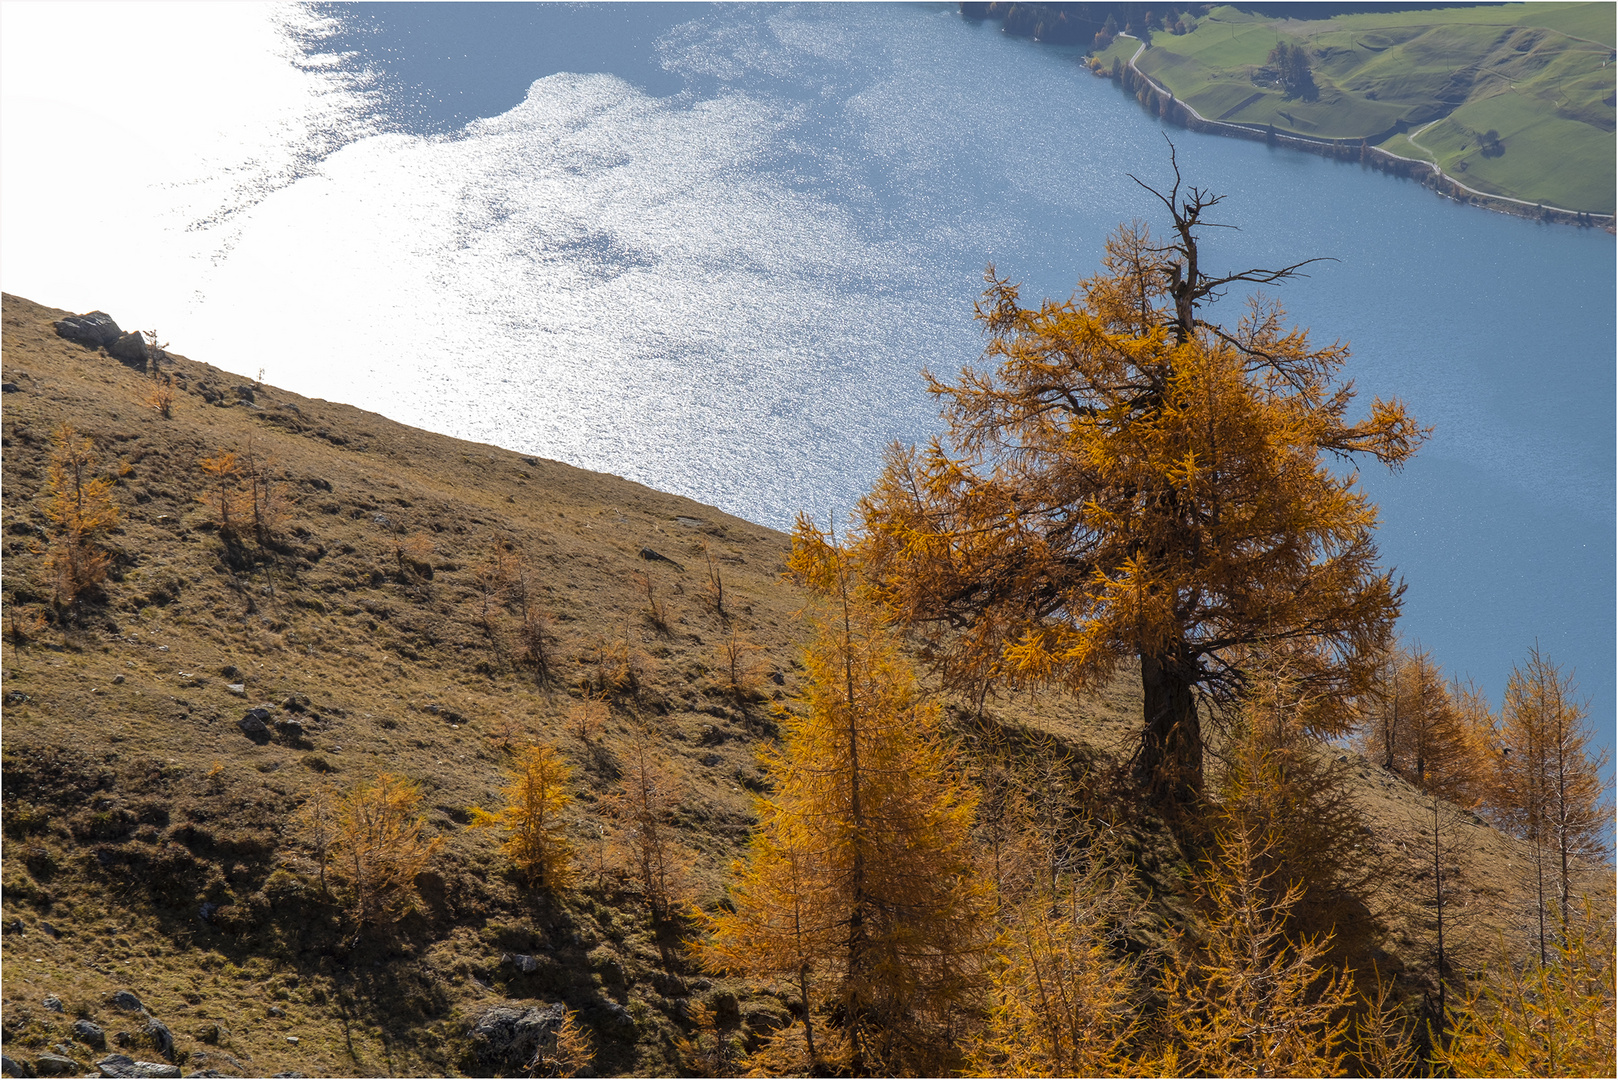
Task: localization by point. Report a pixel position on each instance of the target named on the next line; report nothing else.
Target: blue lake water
(709, 247)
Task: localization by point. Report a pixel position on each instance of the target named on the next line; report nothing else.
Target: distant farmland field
(1516, 100)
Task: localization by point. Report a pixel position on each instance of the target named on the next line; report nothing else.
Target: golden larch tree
(1552, 791)
(379, 848)
(222, 492)
(568, 1051)
(1434, 735)
(710, 1050)
(1382, 1032)
(1246, 1000)
(1064, 992)
(645, 841)
(1132, 480)
(1551, 1017)
(536, 834)
(1276, 781)
(82, 511)
(860, 877)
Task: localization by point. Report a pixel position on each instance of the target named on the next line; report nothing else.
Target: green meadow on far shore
(1515, 100)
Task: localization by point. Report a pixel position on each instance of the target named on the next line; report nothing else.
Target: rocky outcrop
(96, 330)
(505, 1039)
(56, 1065)
(124, 1065)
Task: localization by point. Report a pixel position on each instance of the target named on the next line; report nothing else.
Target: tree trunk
(1438, 902)
(1171, 744)
(856, 920)
(808, 1019)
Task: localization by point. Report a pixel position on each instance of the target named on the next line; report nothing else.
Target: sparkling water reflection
(708, 248)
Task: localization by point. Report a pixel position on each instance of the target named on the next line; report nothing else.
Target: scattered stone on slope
(521, 961)
(127, 1002)
(255, 725)
(210, 1062)
(657, 556)
(53, 1003)
(95, 329)
(90, 1034)
(55, 1065)
(131, 349)
(162, 1040)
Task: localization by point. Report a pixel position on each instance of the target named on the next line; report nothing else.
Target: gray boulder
(53, 1003)
(55, 1065)
(161, 1039)
(125, 1001)
(11, 1067)
(506, 1038)
(90, 1034)
(124, 1065)
(131, 348)
(95, 329)
(521, 961)
(255, 725)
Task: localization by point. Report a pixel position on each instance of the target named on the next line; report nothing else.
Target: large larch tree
(1130, 479)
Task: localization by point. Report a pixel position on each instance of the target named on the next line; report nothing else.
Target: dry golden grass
(365, 615)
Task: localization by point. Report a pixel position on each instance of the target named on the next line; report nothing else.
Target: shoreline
(1160, 101)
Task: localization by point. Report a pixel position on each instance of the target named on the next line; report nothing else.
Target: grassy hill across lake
(1515, 100)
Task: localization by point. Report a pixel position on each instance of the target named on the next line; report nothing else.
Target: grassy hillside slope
(1423, 84)
(132, 800)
